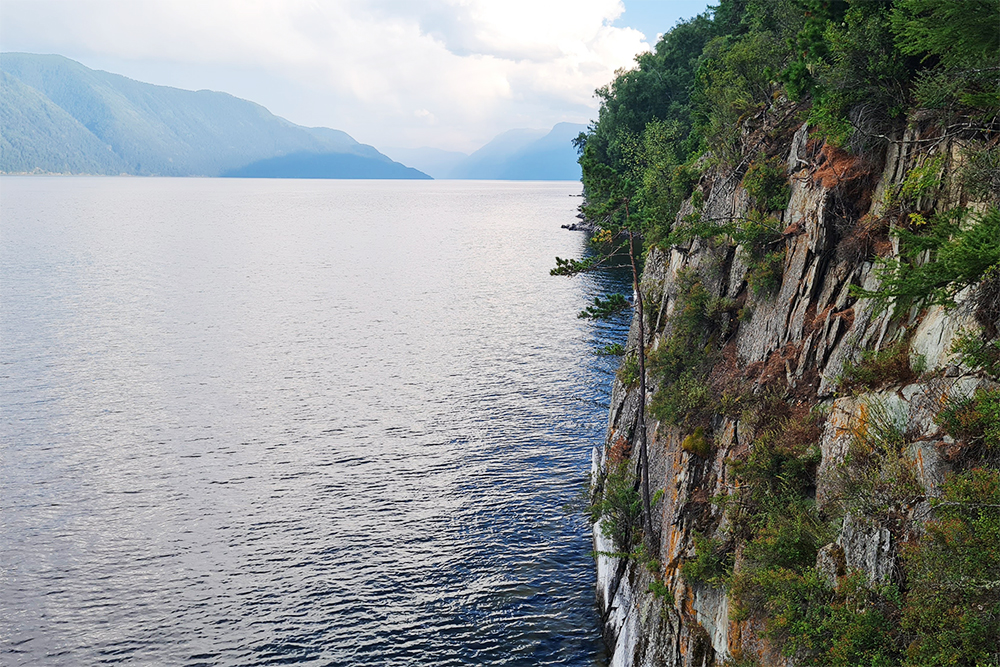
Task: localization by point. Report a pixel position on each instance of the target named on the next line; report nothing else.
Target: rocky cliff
(810, 428)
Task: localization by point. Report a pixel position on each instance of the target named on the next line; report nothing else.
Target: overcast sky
(445, 73)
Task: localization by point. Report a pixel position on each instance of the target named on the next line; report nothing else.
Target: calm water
(274, 422)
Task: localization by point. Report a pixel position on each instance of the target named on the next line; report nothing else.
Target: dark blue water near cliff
(282, 422)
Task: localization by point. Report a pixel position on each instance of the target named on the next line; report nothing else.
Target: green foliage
(980, 175)
(571, 267)
(875, 479)
(778, 581)
(922, 181)
(618, 508)
(970, 95)
(830, 120)
(688, 401)
(978, 353)
(758, 235)
(628, 372)
(865, 74)
(605, 309)
(861, 64)
(661, 591)
(975, 420)
(696, 443)
(949, 611)
(958, 32)
(764, 274)
(705, 97)
(664, 182)
(953, 606)
(985, 302)
(611, 350)
(657, 89)
(780, 528)
(771, 513)
(757, 230)
(781, 596)
(736, 81)
(866, 63)
(741, 661)
(767, 184)
(848, 626)
(712, 563)
(962, 248)
(771, 509)
(859, 627)
(787, 540)
(681, 362)
(879, 368)
(809, 44)
(848, 62)
(689, 326)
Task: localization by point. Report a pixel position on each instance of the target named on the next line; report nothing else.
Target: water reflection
(296, 421)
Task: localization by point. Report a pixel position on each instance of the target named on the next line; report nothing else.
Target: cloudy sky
(445, 73)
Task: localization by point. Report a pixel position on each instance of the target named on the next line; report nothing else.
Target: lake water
(277, 422)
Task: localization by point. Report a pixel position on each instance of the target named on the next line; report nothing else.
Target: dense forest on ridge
(855, 69)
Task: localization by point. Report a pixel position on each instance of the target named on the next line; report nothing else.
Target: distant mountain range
(434, 161)
(524, 155)
(58, 116)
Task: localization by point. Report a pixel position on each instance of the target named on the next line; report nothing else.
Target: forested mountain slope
(810, 391)
(38, 134)
(59, 116)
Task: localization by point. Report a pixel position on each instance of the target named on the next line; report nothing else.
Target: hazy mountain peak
(526, 154)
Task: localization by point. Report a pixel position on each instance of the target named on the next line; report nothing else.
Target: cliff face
(789, 348)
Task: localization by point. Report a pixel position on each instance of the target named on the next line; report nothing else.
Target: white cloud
(444, 72)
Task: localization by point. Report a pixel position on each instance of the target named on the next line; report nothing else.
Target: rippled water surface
(273, 422)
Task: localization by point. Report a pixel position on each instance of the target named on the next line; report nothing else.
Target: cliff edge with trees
(811, 388)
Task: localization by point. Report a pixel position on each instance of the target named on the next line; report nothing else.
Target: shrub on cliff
(696, 443)
(975, 421)
(712, 563)
(978, 351)
(876, 481)
(683, 359)
(943, 607)
(767, 184)
(879, 368)
(617, 507)
(683, 350)
(764, 274)
(952, 609)
(686, 402)
(962, 246)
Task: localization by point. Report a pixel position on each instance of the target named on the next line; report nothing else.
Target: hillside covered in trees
(802, 464)
(57, 116)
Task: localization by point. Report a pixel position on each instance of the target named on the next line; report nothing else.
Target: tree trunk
(641, 425)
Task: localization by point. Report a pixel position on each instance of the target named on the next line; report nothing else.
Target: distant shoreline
(22, 174)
